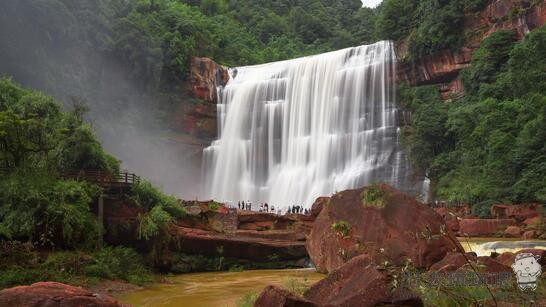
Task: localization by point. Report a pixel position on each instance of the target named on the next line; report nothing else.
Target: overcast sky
(371, 3)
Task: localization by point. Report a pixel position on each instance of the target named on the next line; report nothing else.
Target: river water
(224, 289)
(215, 289)
(485, 246)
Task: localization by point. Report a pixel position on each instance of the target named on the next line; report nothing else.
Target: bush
(213, 205)
(47, 212)
(373, 196)
(72, 267)
(483, 209)
(342, 228)
(118, 263)
(296, 286)
(148, 197)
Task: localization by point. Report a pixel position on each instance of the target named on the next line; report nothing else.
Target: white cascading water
(294, 130)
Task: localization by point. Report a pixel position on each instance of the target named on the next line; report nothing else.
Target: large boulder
(530, 235)
(318, 205)
(533, 222)
(483, 227)
(506, 258)
(360, 282)
(513, 231)
(519, 212)
(450, 219)
(491, 265)
(390, 226)
(452, 262)
(53, 294)
(214, 244)
(260, 221)
(273, 296)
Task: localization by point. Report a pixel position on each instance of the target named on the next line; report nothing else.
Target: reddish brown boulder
(483, 227)
(268, 221)
(53, 294)
(208, 243)
(491, 265)
(506, 258)
(519, 212)
(318, 205)
(273, 296)
(288, 235)
(533, 222)
(450, 219)
(530, 235)
(452, 262)
(205, 76)
(396, 228)
(537, 252)
(359, 283)
(513, 232)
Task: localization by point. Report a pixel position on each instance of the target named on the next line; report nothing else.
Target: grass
(479, 296)
(342, 228)
(372, 196)
(213, 205)
(247, 300)
(296, 286)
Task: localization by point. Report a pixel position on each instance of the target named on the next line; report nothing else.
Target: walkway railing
(103, 178)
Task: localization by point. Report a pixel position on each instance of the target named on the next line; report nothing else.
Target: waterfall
(294, 130)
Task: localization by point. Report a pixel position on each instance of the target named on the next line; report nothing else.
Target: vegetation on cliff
(47, 228)
(490, 144)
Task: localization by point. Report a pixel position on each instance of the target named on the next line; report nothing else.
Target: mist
(46, 46)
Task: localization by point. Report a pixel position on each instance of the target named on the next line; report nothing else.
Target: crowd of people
(242, 205)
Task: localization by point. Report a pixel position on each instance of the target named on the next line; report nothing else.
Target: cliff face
(198, 120)
(205, 76)
(443, 67)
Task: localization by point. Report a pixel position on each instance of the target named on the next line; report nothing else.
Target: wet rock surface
(397, 229)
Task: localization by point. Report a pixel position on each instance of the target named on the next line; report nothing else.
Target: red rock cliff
(205, 76)
(443, 68)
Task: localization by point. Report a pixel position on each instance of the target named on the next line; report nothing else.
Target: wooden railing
(102, 177)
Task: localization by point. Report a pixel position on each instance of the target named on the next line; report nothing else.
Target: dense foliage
(22, 263)
(38, 143)
(153, 40)
(489, 146)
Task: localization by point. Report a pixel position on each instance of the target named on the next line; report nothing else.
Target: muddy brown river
(215, 289)
(224, 289)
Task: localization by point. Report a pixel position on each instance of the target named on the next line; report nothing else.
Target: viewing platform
(108, 181)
